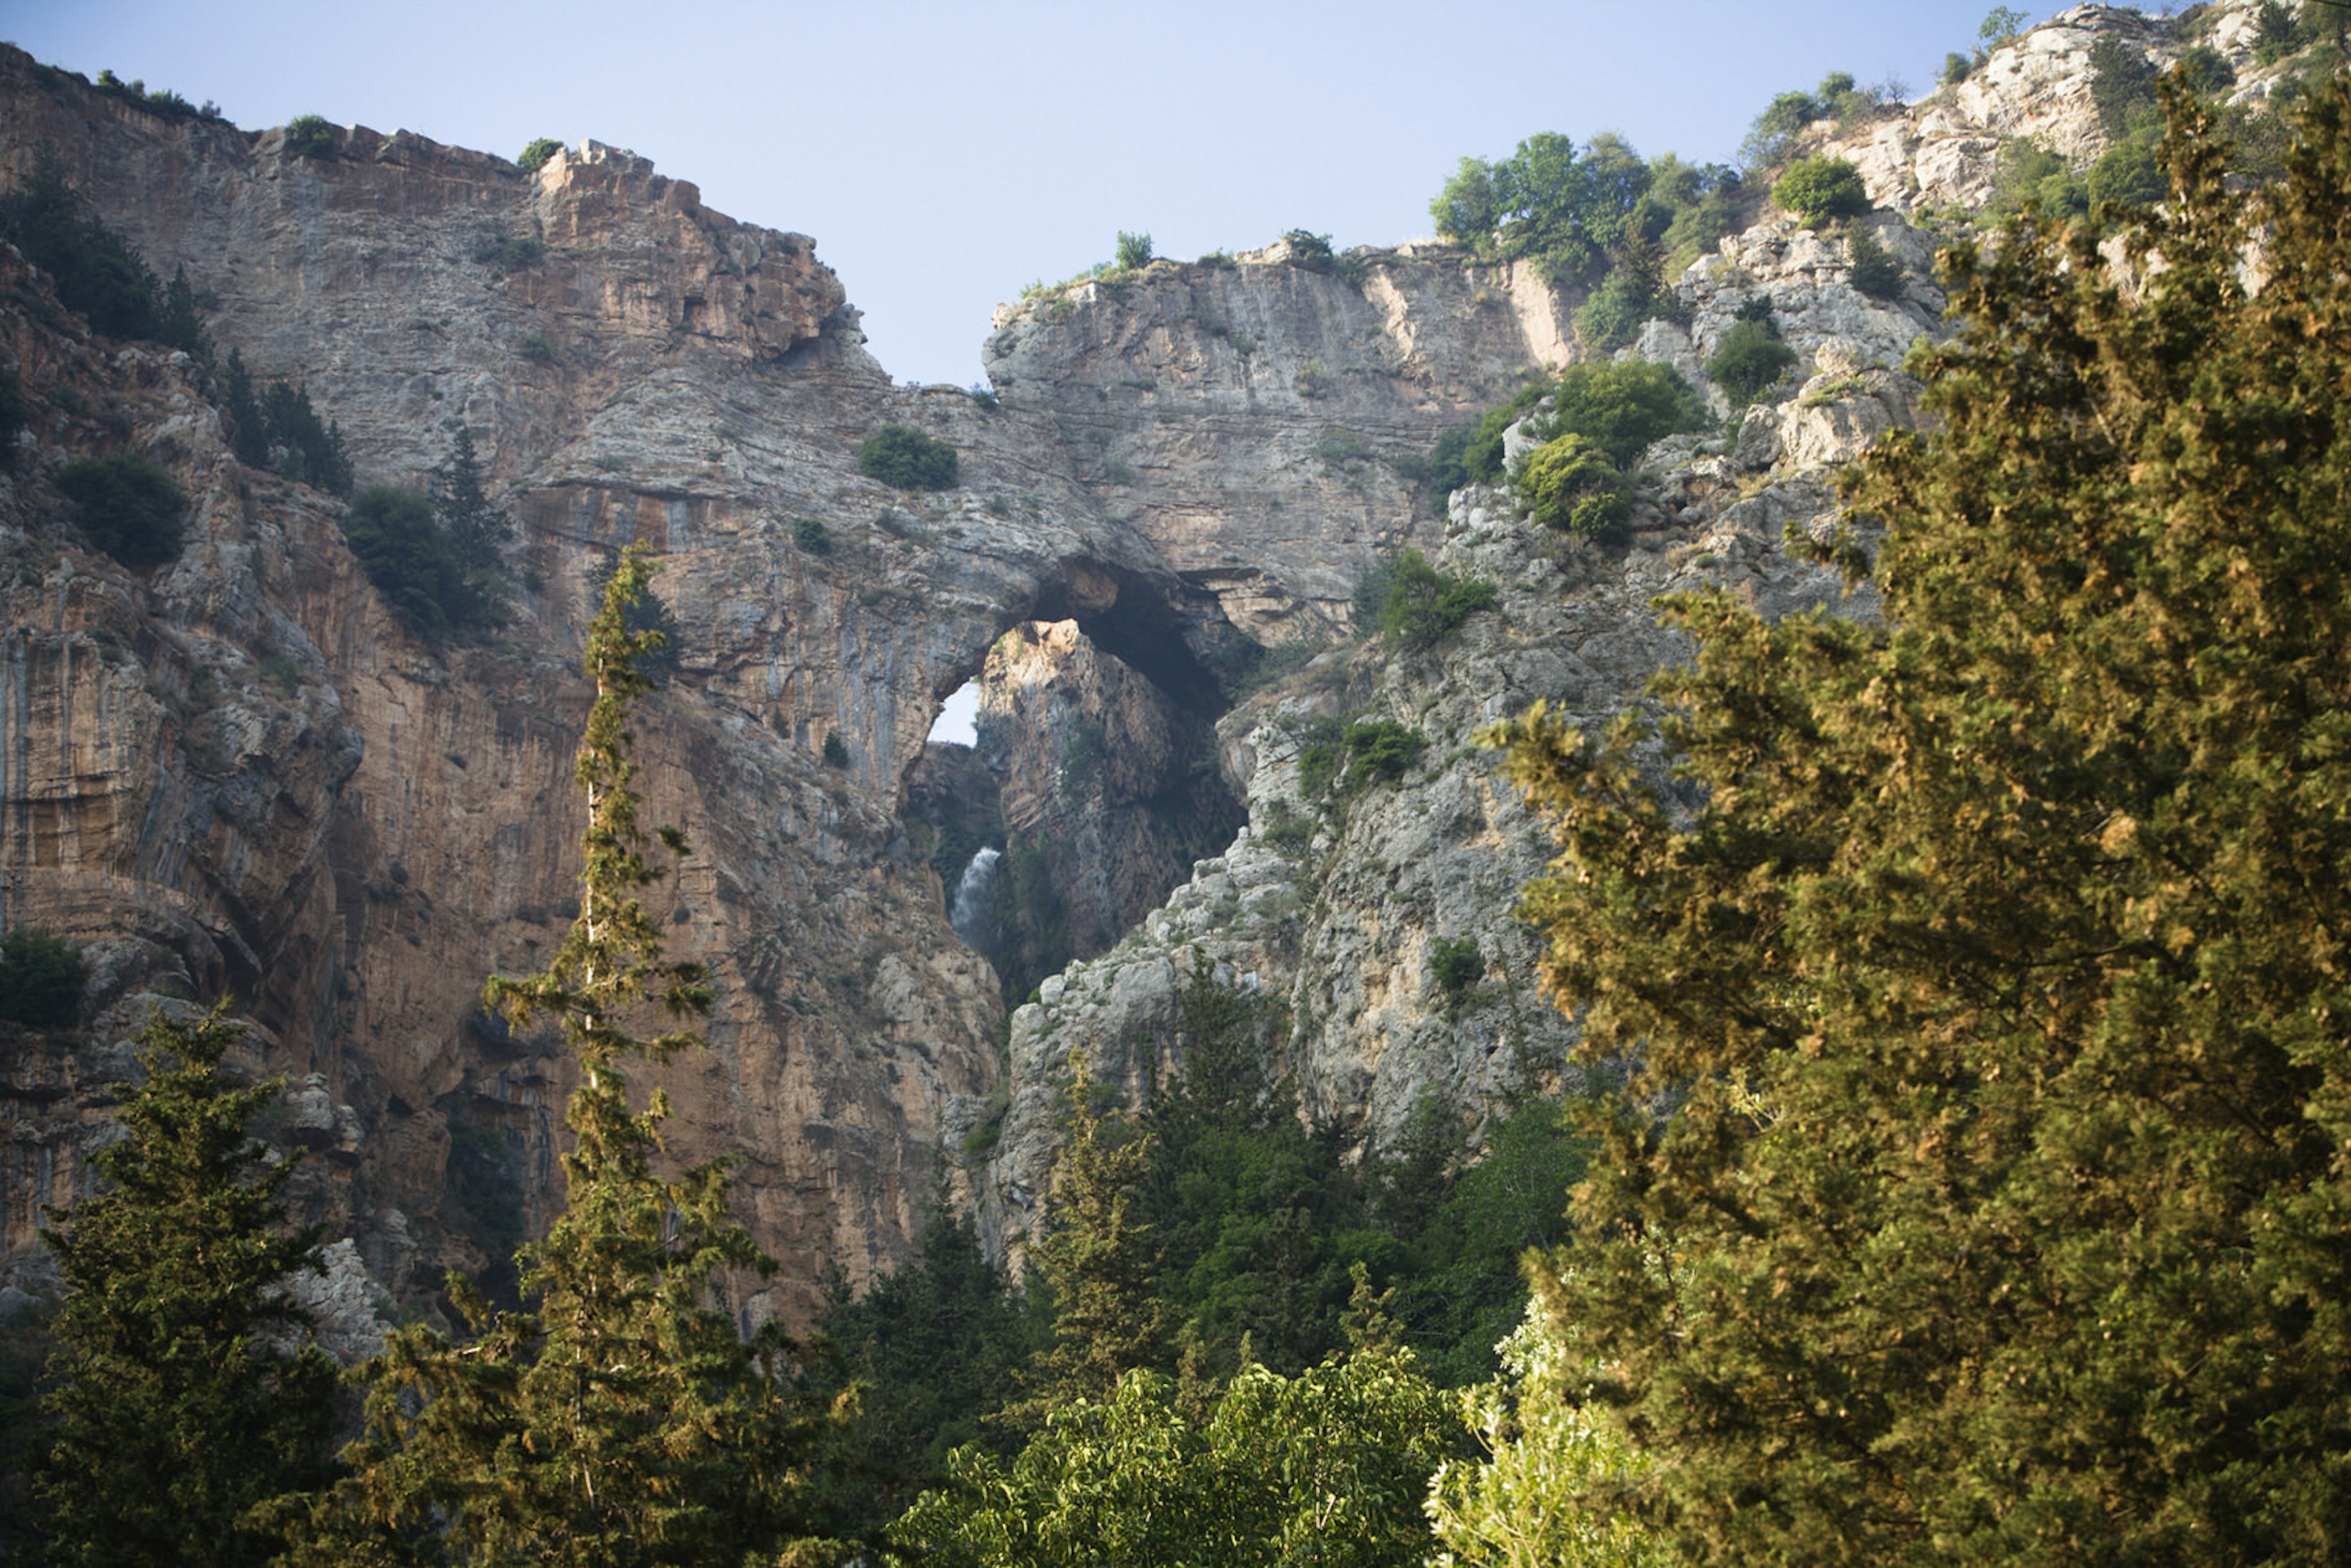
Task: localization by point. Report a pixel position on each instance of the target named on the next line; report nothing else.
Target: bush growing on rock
(1421, 606)
(432, 577)
(1622, 407)
(129, 508)
(1875, 271)
(1819, 188)
(812, 536)
(1133, 251)
(280, 431)
(1750, 359)
(904, 456)
(40, 979)
(540, 150)
(1569, 484)
(312, 136)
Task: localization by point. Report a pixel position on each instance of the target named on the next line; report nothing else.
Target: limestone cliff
(242, 772)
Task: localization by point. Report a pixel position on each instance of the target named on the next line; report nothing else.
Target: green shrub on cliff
(129, 508)
(904, 456)
(93, 270)
(540, 150)
(40, 979)
(1569, 484)
(1818, 189)
(312, 136)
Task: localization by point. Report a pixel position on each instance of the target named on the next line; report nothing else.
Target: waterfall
(969, 915)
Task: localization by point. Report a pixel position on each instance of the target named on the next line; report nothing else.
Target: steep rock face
(1245, 413)
(1944, 152)
(1109, 793)
(365, 824)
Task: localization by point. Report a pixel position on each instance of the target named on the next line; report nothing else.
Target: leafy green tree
(1819, 188)
(477, 531)
(1621, 406)
(1547, 202)
(1568, 483)
(622, 1420)
(129, 507)
(435, 559)
(1327, 1468)
(40, 979)
(179, 320)
(1133, 251)
(176, 1405)
(2002, 1216)
(1527, 1502)
(900, 455)
(540, 149)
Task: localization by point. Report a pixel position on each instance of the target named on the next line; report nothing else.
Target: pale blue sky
(945, 154)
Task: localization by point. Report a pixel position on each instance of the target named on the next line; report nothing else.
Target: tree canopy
(1999, 979)
(181, 1393)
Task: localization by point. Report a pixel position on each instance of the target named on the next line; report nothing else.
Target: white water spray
(969, 915)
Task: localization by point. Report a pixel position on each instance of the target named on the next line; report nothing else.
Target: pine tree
(1101, 1266)
(477, 529)
(621, 1420)
(2000, 975)
(177, 1403)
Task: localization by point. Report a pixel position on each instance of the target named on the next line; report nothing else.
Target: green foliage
(1875, 271)
(1569, 484)
(279, 430)
(174, 1409)
(93, 270)
(1547, 202)
(904, 456)
(1611, 315)
(1957, 69)
(537, 347)
(2029, 175)
(648, 619)
(1818, 189)
(2279, 32)
(2001, 1215)
(2127, 175)
(836, 750)
(1751, 360)
(1133, 251)
(1423, 606)
(2002, 26)
(812, 536)
(540, 150)
(1379, 750)
(1621, 406)
(130, 507)
(622, 1420)
(40, 979)
(435, 559)
(179, 322)
(1327, 1468)
(1309, 250)
(2205, 70)
(2122, 85)
(1526, 1501)
(312, 136)
(1099, 1264)
(932, 1347)
(1775, 131)
(1456, 965)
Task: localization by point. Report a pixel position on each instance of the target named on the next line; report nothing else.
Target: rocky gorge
(242, 773)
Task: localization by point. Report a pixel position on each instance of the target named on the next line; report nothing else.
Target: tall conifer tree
(181, 1394)
(2003, 977)
(621, 1420)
